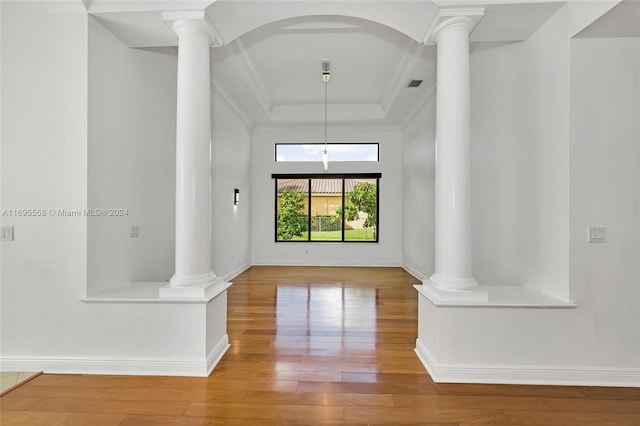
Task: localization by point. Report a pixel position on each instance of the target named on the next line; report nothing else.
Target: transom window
(337, 151)
(327, 208)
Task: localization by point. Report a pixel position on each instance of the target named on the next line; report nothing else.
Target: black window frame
(309, 177)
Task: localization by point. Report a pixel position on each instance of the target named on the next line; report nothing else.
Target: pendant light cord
(326, 77)
(325, 117)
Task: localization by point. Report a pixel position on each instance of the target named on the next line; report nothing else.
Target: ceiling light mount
(326, 71)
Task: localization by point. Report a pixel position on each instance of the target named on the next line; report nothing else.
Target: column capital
(193, 20)
(452, 17)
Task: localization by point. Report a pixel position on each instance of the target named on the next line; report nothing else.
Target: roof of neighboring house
(319, 186)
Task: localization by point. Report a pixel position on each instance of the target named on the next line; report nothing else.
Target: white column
(193, 155)
(452, 195)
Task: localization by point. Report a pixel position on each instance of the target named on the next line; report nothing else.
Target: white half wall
(387, 252)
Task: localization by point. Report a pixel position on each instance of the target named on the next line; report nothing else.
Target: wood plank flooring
(313, 346)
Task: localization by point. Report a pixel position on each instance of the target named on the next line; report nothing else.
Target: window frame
(309, 177)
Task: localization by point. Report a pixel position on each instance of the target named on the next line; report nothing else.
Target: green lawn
(349, 235)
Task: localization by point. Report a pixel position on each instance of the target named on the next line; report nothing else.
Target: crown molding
(336, 112)
(252, 77)
(217, 88)
(343, 129)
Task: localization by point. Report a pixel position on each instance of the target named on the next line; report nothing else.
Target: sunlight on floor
(10, 379)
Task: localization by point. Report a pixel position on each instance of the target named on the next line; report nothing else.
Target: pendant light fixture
(326, 78)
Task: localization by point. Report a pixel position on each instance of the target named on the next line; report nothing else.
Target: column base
(452, 283)
(438, 294)
(192, 280)
(195, 286)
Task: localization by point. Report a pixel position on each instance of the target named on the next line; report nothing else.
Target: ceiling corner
(219, 89)
(401, 73)
(252, 77)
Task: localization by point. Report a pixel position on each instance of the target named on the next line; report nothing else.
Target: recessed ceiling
(371, 65)
(288, 55)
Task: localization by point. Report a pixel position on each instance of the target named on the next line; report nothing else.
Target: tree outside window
(362, 202)
(292, 219)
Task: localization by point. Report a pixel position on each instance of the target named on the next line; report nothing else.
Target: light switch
(7, 233)
(597, 234)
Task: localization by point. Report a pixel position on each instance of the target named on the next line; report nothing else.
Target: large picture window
(327, 208)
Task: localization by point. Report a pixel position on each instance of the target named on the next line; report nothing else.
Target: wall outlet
(135, 231)
(597, 234)
(7, 233)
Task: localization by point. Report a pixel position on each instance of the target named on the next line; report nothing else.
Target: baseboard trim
(380, 264)
(526, 374)
(216, 354)
(116, 365)
(427, 360)
(414, 272)
(240, 269)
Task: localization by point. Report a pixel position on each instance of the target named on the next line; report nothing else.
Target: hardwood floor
(313, 346)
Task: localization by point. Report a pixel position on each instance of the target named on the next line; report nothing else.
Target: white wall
(520, 161)
(419, 191)
(44, 166)
(387, 252)
(231, 168)
(132, 110)
(605, 191)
